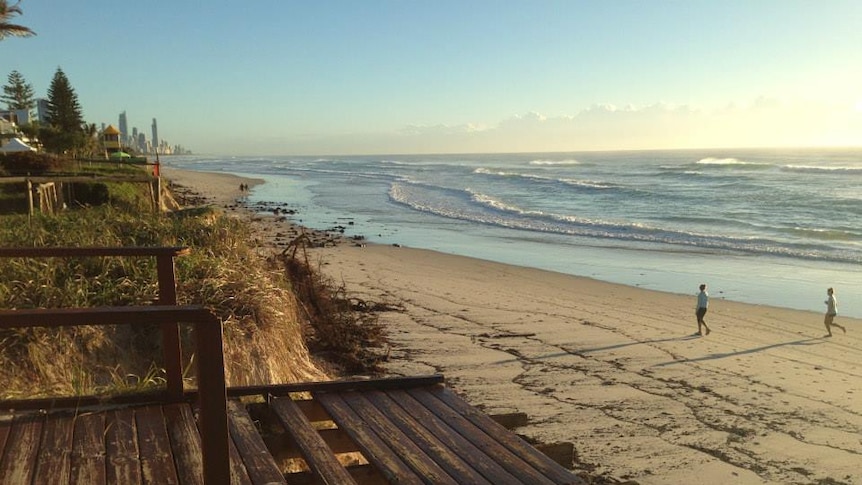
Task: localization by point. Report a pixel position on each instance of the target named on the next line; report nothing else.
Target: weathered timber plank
(185, 443)
(75, 402)
(439, 452)
(22, 447)
(122, 461)
(510, 441)
(364, 474)
(259, 464)
(6, 419)
(238, 473)
(65, 252)
(108, 315)
(55, 456)
(402, 444)
(315, 451)
(488, 445)
(487, 466)
(88, 450)
(157, 462)
(375, 450)
(333, 386)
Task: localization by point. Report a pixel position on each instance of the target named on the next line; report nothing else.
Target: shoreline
(613, 369)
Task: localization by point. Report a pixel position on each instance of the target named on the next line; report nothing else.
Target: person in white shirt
(831, 311)
(700, 311)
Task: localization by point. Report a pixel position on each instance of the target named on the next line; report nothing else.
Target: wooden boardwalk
(382, 431)
(404, 431)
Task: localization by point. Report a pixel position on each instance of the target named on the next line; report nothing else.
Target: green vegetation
(127, 195)
(7, 28)
(65, 131)
(18, 94)
(264, 319)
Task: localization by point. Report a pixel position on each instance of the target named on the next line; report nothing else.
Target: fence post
(170, 330)
(212, 398)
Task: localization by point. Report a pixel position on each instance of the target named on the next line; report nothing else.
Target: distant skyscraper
(124, 128)
(155, 136)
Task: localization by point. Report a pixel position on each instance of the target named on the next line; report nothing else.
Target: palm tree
(6, 14)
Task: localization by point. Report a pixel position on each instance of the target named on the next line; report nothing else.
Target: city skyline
(447, 77)
(133, 138)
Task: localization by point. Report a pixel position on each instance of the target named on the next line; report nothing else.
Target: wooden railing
(212, 397)
(211, 393)
(167, 294)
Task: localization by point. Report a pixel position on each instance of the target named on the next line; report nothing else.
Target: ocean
(772, 227)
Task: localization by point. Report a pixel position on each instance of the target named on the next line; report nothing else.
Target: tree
(65, 123)
(10, 29)
(63, 111)
(18, 94)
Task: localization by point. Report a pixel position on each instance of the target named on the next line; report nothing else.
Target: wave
(473, 206)
(733, 163)
(591, 184)
(814, 169)
(554, 162)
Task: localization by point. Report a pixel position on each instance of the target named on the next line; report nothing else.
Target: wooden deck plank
(259, 464)
(6, 419)
(55, 456)
(185, 443)
(417, 430)
(335, 386)
(5, 426)
(484, 464)
(488, 445)
(317, 454)
(375, 450)
(500, 436)
(88, 449)
(22, 447)
(157, 463)
(410, 452)
(122, 461)
(238, 473)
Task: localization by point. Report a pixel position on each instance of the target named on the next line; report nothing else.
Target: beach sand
(616, 370)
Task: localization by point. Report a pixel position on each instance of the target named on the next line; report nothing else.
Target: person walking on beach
(831, 311)
(702, 305)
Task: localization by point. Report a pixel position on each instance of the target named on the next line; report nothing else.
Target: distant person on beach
(831, 311)
(702, 305)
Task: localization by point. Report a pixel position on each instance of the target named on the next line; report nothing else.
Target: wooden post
(212, 398)
(30, 196)
(173, 353)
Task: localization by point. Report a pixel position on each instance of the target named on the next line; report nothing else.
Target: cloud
(764, 122)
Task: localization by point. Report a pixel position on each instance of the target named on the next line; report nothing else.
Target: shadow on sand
(582, 352)
(802, 342)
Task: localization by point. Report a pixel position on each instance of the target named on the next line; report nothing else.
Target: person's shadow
(803, 342)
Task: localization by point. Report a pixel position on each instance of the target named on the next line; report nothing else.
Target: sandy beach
(615, 370)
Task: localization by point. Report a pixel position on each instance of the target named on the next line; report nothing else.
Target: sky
(284, 77)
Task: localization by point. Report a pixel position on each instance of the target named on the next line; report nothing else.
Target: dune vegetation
(273, 307)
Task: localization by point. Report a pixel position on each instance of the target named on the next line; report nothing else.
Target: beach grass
(250, 289)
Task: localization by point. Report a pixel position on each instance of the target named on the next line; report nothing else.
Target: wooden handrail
(212, 395)
(167, 292)
(65, 252)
